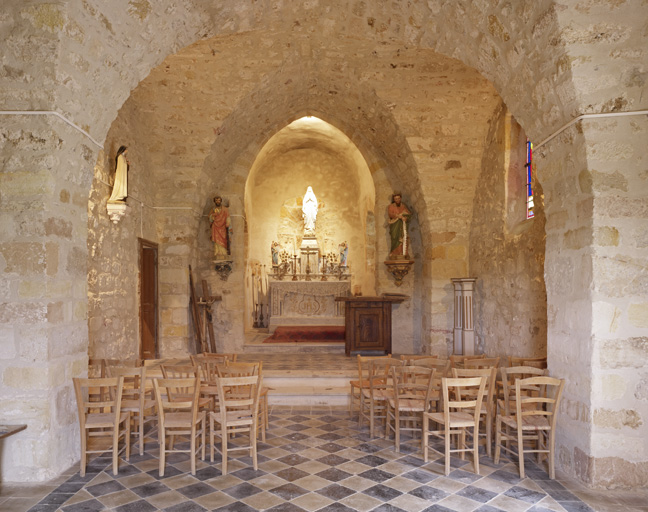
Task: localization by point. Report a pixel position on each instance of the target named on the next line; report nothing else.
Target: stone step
(291, 348)
(304, 390)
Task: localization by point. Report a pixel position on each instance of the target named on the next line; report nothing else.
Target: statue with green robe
(399, 216)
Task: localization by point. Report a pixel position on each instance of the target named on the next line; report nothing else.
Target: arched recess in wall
(309, 152)
(376, 143)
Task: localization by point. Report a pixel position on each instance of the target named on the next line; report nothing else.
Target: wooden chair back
(410, 359)
(537, 400)
(536, 362)
(364, 363)
(463, 394)
(181, 371)
(490, 374)
(412, 385)
(124, 363)
(176, 395)
(442, 366)
(484, 362)
(178, 402)
(241, 369)
(538, 397)
(509, 376)
(134, 392)
(239, 412)
(208, 367)
(457, 360)
(137, 397)
(99, 403)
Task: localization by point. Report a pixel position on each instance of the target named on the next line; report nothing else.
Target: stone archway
(83, 60)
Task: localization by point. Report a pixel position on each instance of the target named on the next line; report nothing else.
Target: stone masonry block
(32, 378)
(615, 419)
(638, 315)
(624, 353)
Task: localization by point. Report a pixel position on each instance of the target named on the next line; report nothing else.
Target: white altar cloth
(307, 303)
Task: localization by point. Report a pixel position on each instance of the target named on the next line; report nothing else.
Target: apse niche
(306, 153)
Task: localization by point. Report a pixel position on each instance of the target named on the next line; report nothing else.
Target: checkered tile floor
(313, 460)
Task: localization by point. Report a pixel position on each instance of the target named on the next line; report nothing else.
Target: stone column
(595, 184)
(43, 305)
(464, 328)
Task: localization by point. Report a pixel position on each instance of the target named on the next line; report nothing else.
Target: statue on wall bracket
(399, 261)
(117, 202)
(221, 234)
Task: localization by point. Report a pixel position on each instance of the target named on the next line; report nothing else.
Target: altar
(307, 302)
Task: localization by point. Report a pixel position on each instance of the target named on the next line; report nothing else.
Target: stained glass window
(529, 175)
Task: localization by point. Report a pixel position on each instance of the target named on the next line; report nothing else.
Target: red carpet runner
(307, 334)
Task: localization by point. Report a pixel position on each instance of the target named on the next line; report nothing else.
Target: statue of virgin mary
(309, 210)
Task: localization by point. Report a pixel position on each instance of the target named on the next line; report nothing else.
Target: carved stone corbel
(399, 269)
(224, 268)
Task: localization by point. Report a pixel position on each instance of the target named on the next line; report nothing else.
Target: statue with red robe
(219, 219)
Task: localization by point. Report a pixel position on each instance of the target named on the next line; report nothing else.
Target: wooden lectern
(367, 322)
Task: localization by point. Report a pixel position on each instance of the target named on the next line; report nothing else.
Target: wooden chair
(488, 402)
(410, 359)
(457, 360)
(379, 392)
(411, 397)
(222, 358)
(208, 366)
(123, 363)
(179, 415)
(239, 412)
(506, 403)
(483, 362)
(187, 371)
(209, 373)
(537, 362)
(355, 397)
(534, 420)
(458, 416)
(136, 399)
(103, 417)
(441, 366)
(245, 370)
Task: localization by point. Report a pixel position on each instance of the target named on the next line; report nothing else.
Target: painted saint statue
(120, 188)
(274, 249)
(309, 210)
(344, 253)
(399, 216)
(220, 221)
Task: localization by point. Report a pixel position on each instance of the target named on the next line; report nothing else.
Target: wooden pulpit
(367, 322)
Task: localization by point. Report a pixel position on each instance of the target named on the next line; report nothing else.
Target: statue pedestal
(116, 210)
(399, 268)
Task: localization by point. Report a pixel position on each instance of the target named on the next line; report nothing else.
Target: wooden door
(368, 324)
(148, 299)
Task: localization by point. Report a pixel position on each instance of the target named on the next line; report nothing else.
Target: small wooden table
(8, 430)
(367, 322)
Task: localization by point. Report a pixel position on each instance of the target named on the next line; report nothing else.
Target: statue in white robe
(309, 210)
(120, 188)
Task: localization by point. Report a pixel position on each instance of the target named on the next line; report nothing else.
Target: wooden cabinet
(367, 322)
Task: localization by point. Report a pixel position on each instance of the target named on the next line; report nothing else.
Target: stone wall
(113, 248)
(507, 250)
(385, 74)
(617, 179)
(43, 295)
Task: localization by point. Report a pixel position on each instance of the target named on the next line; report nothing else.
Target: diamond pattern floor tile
(313, 460)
